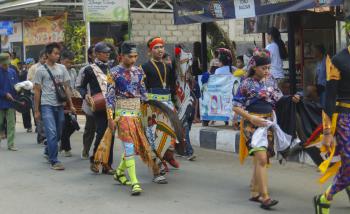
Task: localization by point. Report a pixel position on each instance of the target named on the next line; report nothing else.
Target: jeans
(10, 115)
(53, 119)
(67, 131)
(188, 146)
(89, 133)
(101, 122)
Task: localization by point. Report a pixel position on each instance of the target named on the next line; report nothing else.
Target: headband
(155, 42)
(128, 48)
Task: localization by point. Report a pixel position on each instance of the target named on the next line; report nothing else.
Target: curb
(227, 140)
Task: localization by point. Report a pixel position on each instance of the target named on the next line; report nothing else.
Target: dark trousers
(101, 126)
(67, 131)
(89, 133)
(27, 120)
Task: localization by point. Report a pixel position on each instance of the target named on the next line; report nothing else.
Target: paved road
(215, 183)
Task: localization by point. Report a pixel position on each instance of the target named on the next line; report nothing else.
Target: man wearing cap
(160, 83)
(95, 77)
(125, 90)
(8, 78)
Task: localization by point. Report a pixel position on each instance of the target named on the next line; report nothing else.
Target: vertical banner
(216, 100)
(44, 30)
(106, 10)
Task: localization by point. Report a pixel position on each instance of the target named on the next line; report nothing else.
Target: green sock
(122, 166)
(131, 167)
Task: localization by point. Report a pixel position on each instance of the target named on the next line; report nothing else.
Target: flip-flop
(255, 199)
(268, 203)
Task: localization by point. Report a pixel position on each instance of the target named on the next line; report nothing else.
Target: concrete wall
(147, 25)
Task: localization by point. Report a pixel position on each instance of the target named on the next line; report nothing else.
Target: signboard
(6, 28)
(106, 10)
(216, 101)
(17, 33)
(188, 11)
(44, 30)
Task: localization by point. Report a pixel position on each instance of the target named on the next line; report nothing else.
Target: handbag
(60, 91)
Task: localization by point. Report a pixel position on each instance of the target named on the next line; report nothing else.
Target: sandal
(255, 199)
(319, 206)
(121, 179)
(136, 189)
(268, 203)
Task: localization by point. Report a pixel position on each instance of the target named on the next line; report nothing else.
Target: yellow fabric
(15, 62)
(332, 72)
(344, 105)
(326, 121)
(330, 173)
(239, 73)
(324, 166)
(243, 150)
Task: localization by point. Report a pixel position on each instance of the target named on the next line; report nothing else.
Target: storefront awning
(13, 5)
(201, 11)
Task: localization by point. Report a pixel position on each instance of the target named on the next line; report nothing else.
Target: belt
(159, 97)
(342, 104)
(261, 115)
(127, 113)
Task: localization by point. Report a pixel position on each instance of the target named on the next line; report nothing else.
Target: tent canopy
(202, 11)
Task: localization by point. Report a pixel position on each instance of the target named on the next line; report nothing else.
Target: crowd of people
(113, 89)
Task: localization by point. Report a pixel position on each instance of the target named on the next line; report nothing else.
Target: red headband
(156, 41)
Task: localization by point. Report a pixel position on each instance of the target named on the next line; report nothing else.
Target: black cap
(102, 47)
(128, 48)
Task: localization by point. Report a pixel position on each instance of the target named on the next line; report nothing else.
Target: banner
(44, 30)
(106, 10)
(188, 11)
(6, 28)
(216, 100)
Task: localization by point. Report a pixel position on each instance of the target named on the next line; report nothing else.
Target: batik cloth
(342, 178)
(252, 90)
(125, 83)
(247, 132)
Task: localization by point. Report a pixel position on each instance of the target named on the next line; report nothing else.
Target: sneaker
(29, 130)
(67, 154)
(159, 179)
(57, 166)
(191, 157)
(84, 155)
(12, 148)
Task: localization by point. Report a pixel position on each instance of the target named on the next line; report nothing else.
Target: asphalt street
(214, 183)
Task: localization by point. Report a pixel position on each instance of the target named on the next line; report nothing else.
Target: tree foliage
(74, 40)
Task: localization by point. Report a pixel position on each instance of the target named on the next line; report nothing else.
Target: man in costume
(160, 83)
(90, 126)
(125, 90)
(95, 76)
(336, 128)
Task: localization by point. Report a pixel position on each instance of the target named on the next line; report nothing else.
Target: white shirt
(276, 61)
(225, 70)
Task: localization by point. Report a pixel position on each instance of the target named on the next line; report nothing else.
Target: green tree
(74, 39)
